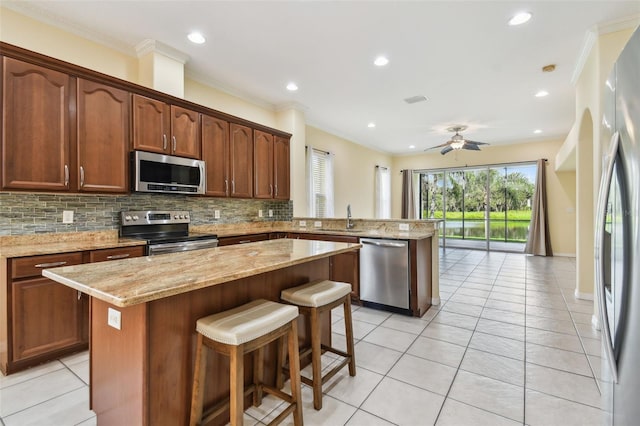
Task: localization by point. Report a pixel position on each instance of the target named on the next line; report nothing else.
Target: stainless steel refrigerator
(618, 240)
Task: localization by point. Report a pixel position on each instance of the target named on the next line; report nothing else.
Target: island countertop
(139, 280)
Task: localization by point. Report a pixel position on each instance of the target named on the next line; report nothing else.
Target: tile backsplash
(31, 213)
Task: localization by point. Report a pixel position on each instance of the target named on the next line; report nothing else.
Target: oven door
(179, 246)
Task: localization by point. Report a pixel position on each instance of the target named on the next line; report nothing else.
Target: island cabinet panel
(142, 374)
(262, 164)
(281, 168)
(215, 153)
(36, 147)
(103, 138)
(241, 161)
(420, 257)
(151, 125)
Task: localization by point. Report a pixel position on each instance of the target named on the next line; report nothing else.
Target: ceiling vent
(415, 99)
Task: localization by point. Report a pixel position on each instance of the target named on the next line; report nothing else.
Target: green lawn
(511, 215)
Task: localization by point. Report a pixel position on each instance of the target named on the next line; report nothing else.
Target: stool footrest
(283, 415)
(277, 392)
(335, 351)
(217, 409)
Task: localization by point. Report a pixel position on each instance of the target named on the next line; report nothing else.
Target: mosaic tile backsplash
(29, 213)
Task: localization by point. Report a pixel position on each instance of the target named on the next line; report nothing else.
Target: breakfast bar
(143, 313)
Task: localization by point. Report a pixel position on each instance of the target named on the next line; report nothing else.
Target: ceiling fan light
(457, 144)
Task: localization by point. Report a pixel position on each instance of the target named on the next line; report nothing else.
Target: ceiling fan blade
(475, 142)
(438, 146)
(471, 146)
(446, 149)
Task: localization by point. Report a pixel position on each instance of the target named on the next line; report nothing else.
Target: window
(320, 182)
(383, 193)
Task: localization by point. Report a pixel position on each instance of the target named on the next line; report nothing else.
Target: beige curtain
(539, 242)
(408, 197)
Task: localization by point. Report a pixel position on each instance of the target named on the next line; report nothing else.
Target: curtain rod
(382, 167)
(319, 150)
(477, 165)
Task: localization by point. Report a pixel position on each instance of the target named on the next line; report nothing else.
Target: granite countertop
(132, 281)
(368, 233)
(38, 247)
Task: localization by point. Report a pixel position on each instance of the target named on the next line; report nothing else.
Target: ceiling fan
(458, 142)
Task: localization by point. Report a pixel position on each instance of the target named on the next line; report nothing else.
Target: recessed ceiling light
(412, 146)
(537, 131)
(381, 61)
(520, 18)
(542, 94)
(292, 87)
(371, 125)
(196, 37)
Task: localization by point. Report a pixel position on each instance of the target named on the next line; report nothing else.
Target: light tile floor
(508, 345)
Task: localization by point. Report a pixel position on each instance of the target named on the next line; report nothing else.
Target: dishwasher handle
(385, 244)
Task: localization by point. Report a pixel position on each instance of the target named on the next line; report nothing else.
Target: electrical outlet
(270, 213)
(303, 224)
(67, 216)
(403, 226)
(259, 213)
(317, 224)
(216, 214)
(114, 318)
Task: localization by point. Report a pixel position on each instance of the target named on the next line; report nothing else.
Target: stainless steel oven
(166, 231)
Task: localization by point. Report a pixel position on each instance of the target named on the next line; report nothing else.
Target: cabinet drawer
(227, 241)
(32, 266)
(116, 253)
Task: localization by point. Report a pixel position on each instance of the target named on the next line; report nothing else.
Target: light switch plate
(317, 224)
(67, 216)
(303, 223)
(403, 226)
(216, 214)
(259, 213)
(114, 318)
(270, 213)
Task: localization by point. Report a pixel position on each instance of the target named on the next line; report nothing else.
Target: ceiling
(474, 69)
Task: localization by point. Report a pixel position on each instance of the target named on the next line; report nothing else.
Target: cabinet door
(281, 168)
(151, 125)
(35, 123)
(103, 138)
(215, 153)
(262, 164)
(185, 130)
(241, 161)
(47, 316)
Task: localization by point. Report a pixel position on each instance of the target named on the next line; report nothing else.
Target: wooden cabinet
(281, 168)
(41, 319)
(262, 164)
(215, 153)
(103, 138)
(165, 129)
(344, 267)
(36, 150)
(241, 239)
(241, 160)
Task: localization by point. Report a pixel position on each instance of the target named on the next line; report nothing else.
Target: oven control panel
(154, 217)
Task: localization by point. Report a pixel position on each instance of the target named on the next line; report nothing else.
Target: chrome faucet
(349, 221)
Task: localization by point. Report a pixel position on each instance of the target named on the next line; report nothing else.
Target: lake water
(515, 230)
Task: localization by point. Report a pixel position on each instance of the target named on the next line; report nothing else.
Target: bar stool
(313, 299)
(238, 331)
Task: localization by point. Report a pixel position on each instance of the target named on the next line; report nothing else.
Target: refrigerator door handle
(601, 213)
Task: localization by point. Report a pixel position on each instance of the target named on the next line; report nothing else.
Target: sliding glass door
(484, 207)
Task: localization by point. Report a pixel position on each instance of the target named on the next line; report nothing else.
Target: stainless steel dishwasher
(384, 274)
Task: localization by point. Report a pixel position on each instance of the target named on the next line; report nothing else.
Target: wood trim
(16, 52)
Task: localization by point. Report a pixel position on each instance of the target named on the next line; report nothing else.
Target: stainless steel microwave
(167, 174)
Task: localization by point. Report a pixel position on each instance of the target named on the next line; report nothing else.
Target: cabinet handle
(276, 189)
(174, 143)
(118, 256)
(50, 264)
(233, 186)
(226, 186)
(164, 142)
(81, 176)
(79, 295)
(271, 190)
(66, 175)
(244, 241)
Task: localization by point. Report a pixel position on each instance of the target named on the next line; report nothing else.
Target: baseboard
(583, 296)
(435, 301)
(595, 322)
(564, 254)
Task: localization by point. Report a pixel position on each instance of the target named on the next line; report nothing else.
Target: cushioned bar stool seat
(313, 299)
(247, 328)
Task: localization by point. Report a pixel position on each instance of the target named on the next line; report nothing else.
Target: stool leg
(294, 372)
(316, 353)
(281, 359)
(199, 375)
(348, 324)
(236, 385)
(258, 372)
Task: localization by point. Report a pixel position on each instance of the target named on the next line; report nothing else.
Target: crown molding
(154, 46)
(592, 36)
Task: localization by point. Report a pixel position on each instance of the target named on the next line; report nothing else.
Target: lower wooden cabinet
(241, 239)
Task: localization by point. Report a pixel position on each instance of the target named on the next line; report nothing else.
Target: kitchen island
(143, 314)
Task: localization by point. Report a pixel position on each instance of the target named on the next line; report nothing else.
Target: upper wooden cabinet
(241, 161)
(36, 127)
(262, 164)
(165, 129)
(281, 168)
(103, 138)
(215, 153)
